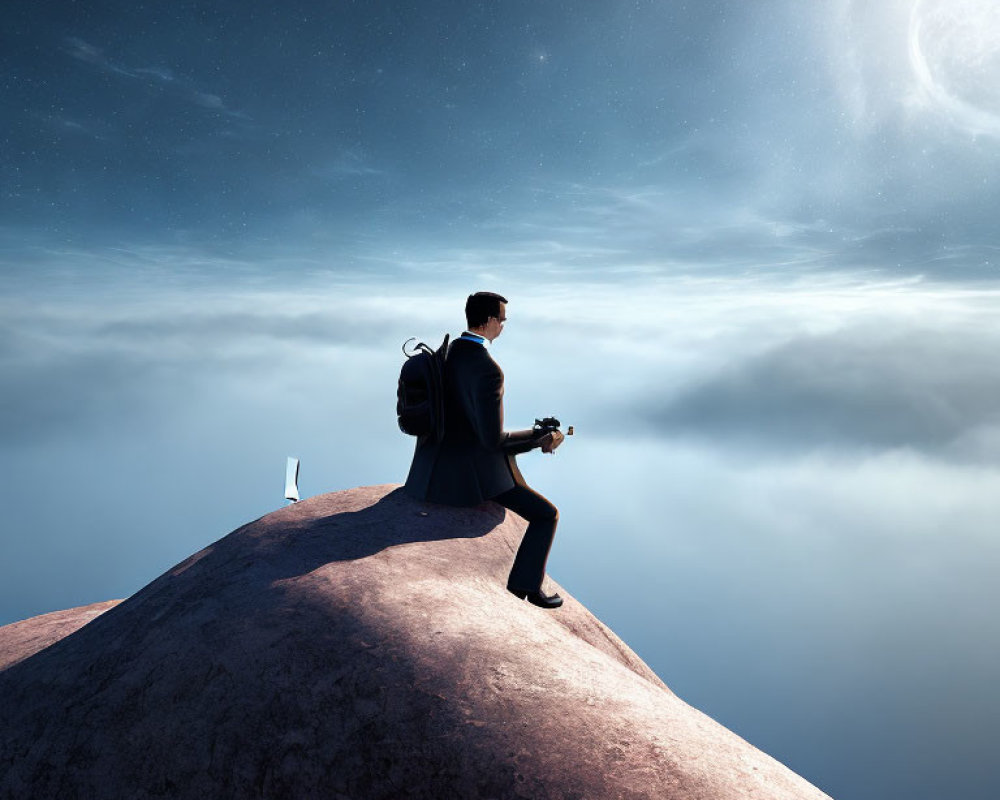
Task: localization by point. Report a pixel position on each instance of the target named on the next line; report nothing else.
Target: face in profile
(494, 326)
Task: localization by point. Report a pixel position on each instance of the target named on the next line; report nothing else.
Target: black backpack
(420, 394)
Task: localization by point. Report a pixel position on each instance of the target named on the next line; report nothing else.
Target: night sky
(751, 254)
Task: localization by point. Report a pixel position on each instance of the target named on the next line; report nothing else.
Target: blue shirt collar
(475, 337)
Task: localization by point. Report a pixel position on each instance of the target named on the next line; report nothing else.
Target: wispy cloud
(660, 228)
(154, 75)
(83, 51)
(76, 126)
(160, 73)
(350, 163)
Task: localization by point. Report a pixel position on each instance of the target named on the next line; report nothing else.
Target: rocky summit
(357, 645)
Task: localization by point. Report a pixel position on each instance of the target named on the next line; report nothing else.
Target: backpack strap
(437, 360)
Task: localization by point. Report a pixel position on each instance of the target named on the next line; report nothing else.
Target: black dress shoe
(537, 598)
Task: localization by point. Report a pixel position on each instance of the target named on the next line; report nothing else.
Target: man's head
(485, 313)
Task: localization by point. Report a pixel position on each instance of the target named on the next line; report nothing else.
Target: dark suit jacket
(475, 459)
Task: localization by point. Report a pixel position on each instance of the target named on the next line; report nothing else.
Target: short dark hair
(481, 306)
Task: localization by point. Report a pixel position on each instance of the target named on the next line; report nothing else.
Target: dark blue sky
(768, 229)
(340, 124)
(223, 118)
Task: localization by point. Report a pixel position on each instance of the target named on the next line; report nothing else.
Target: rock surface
(355, 645)
(22, 639)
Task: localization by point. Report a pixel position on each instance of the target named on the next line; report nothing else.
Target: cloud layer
(925, 388)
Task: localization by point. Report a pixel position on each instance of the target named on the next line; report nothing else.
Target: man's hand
(551, 441)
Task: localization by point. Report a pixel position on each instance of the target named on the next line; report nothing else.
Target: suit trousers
(529, 564)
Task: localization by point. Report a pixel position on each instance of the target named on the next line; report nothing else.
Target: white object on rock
(292, 479)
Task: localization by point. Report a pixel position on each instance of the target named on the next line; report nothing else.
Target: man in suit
(475, 461)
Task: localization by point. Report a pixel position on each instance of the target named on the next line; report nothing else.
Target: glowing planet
(954, 48)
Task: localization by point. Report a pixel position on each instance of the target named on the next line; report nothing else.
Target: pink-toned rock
(358, 645)
(22, 639)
